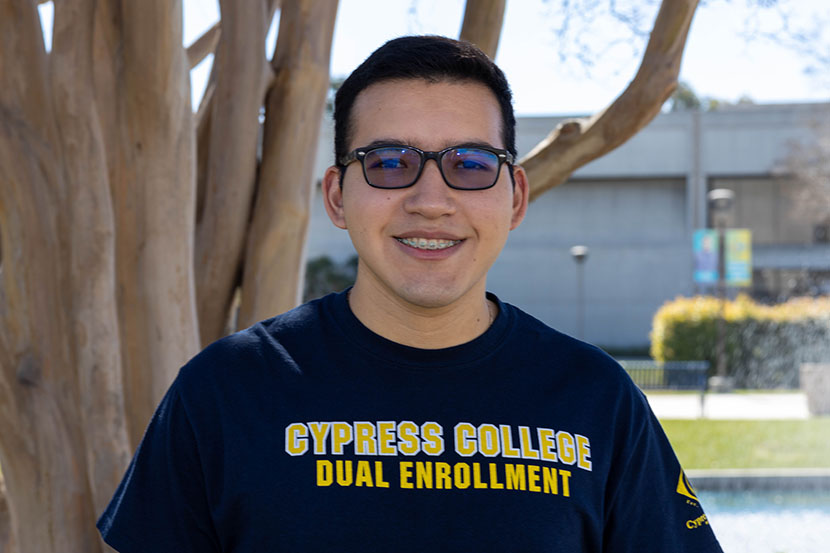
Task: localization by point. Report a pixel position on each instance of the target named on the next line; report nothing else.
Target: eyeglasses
(396, 166)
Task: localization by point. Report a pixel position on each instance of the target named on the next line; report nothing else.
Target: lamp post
(580, 254)
(720, 202)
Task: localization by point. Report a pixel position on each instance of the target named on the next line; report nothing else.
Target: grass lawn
(716, 444)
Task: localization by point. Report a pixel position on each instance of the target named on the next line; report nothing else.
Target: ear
(521, 195)
(333, 196)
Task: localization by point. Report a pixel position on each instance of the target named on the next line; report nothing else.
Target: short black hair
(431, 58)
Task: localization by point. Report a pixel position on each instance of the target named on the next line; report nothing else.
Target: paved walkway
(730, 406)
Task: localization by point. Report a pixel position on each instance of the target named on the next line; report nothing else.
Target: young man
(415, 411)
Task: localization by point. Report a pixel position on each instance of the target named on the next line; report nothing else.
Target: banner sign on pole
(738, 253)
(705, 247)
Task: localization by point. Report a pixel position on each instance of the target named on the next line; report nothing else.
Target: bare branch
(575, 24)
(575, 143)
(797, 28)
(482, 24)
(203, 46)
(631, 16)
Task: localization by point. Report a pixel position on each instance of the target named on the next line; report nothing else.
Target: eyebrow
(406, 142)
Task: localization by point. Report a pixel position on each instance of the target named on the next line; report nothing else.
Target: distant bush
(324, 275)
(764, 344)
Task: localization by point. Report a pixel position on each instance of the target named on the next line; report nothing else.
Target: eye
(473, 160)
(389, 163)
(472, 164)
(387, 160)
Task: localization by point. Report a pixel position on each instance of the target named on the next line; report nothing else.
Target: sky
(718, 61)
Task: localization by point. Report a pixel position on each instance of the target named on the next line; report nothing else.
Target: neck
(417, 326)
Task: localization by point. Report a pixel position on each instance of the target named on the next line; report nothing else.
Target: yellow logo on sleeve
(684, 487)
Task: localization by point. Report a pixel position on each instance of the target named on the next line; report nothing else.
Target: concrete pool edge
(760, 479)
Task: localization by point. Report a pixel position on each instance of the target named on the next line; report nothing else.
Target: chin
(430, 295)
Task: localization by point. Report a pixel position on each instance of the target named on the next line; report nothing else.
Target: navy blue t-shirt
(308, 432)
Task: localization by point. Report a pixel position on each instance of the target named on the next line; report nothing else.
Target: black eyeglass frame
(359, 154)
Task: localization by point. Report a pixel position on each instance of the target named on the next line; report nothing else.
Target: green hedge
(764, 344)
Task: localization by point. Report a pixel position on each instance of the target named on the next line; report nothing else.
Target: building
(636, 209)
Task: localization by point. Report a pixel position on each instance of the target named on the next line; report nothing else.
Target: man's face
(470, 227)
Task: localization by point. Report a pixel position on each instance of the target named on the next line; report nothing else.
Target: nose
(430, 196)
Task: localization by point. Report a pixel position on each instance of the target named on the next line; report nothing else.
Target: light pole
(720, 202)
(580, 254)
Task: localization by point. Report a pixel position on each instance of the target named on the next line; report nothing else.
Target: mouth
(428, 243)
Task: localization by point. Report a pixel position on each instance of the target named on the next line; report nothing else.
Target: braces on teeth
(428, 244)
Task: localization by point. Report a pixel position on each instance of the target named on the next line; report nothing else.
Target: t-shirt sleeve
(650, 505)
(161, 504)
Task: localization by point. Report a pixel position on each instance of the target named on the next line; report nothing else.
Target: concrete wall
(636, 234)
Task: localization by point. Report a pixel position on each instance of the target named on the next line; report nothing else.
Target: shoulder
(574, 363)
(264, 346)
(538, 337)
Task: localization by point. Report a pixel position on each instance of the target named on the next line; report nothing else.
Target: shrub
(764, 345)
(324, 275)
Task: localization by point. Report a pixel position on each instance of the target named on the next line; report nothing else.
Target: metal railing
(670, 375)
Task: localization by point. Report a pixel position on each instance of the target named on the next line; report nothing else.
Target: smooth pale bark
(41, 441)
(203, 119)
(482, 25)
(575, 143)
(113, 116)
(203, 46)
(153, 194)
(91, 235)
(231, 161)
(274, 258)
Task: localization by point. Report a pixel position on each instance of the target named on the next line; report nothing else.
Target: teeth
(428, 243)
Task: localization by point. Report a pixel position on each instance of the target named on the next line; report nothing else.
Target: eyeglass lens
(467, 168)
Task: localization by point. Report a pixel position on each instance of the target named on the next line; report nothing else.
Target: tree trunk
(152, 181)
(41, 440)
(91, 235)
(231, 160)
(274, 264)
(78, 132)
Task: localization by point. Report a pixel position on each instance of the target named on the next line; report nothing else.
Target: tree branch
(575, 143)
(483, 20)
(203, 46)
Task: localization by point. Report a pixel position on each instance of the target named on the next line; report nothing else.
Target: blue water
(770, 521)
